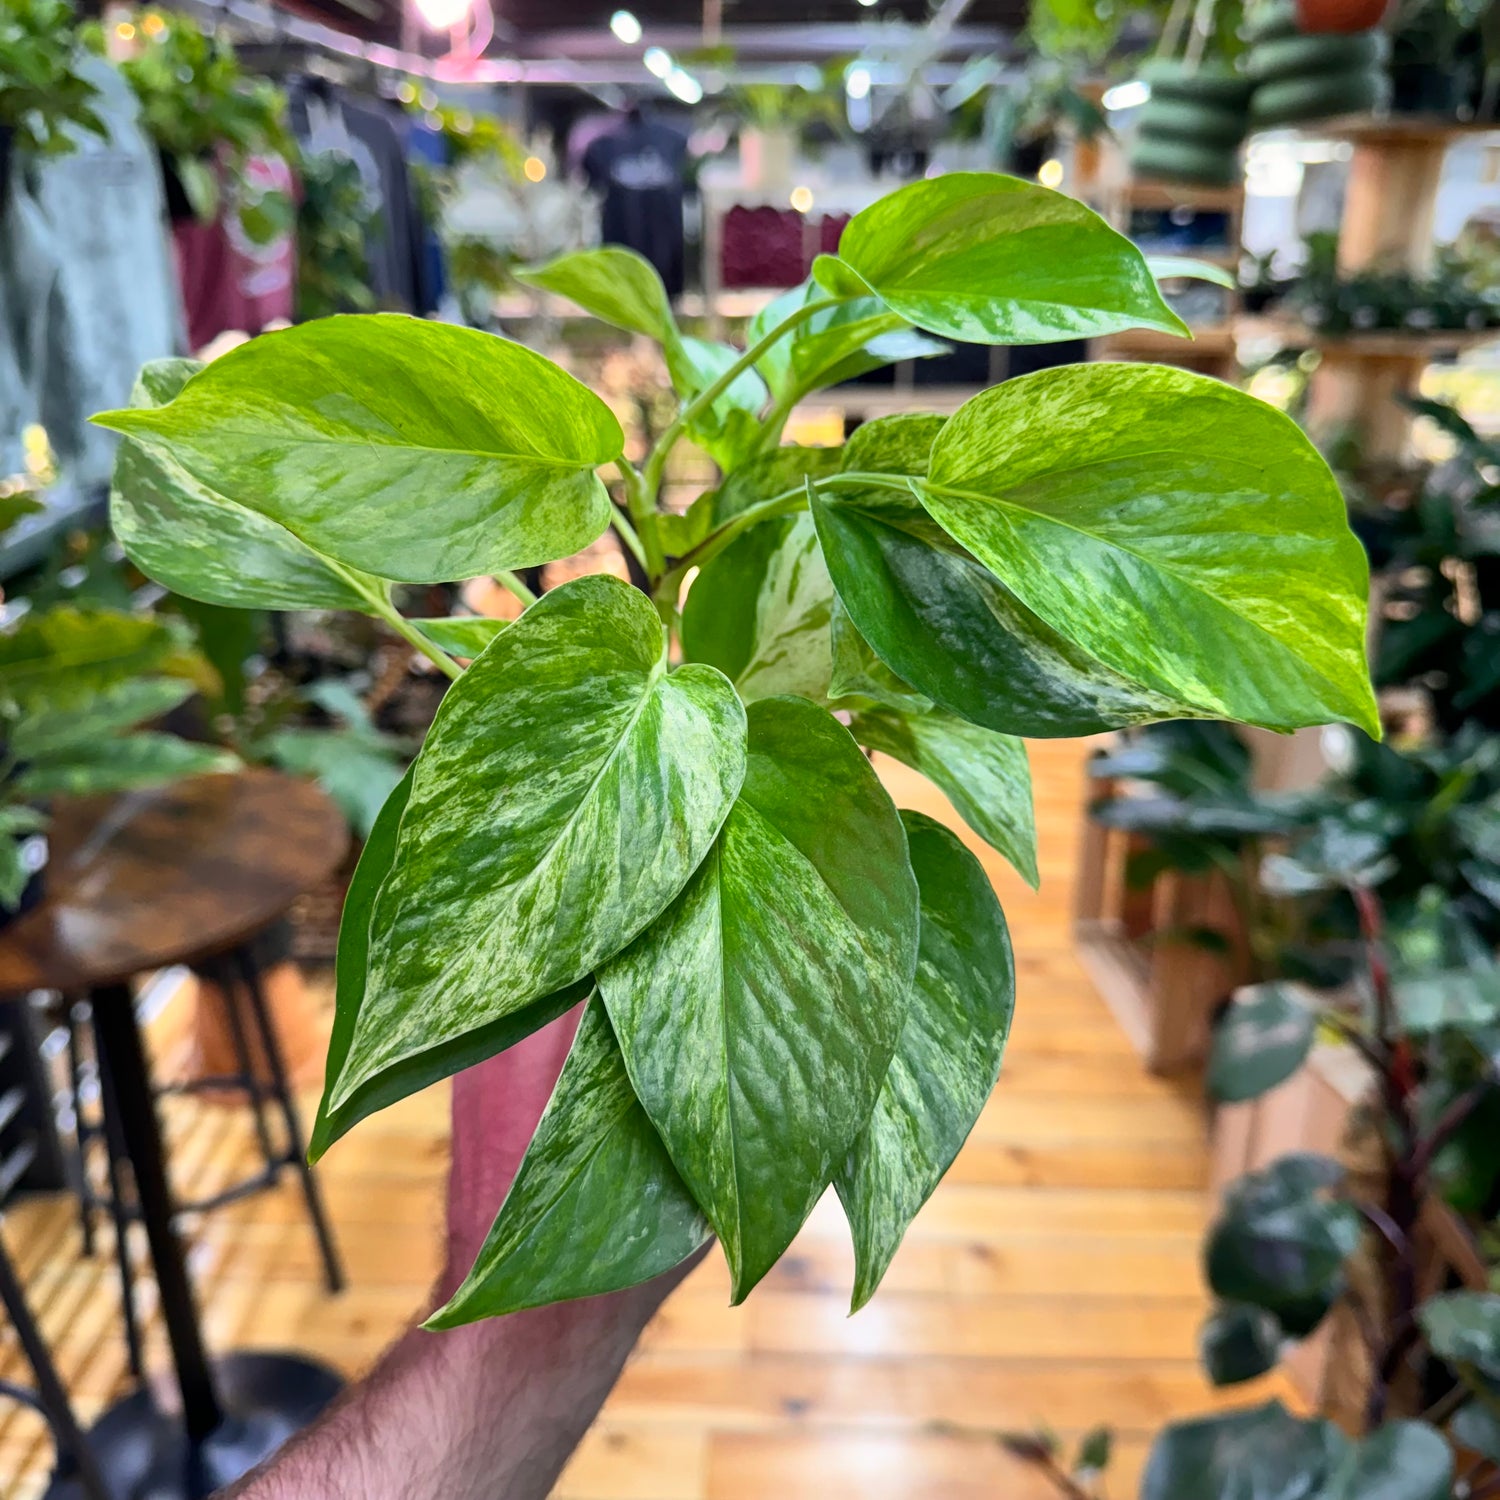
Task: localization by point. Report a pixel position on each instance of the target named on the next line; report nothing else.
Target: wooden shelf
(1387, 129)
(1387, 343)
(1138, 194)
(1206, 343)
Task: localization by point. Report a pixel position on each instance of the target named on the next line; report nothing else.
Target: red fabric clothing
(227, 280)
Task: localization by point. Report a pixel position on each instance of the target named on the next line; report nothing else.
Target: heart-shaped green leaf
(1280, 1242)
(198, 543)
(61, 658)
(858, 675)
(730, 429)
(984, 775)
(463, 635)
(759, 612)
(901, 444)
(413, 450)
(783, 471)
(567, 789)
(50, 731)
(616, 285)
(1263, 1453)
(1185, 534)
(758, 1015)
(1464, 1329)
(445, 1057)
(948, 627)
(142, 759)
(948, 1057)
(1399, 1461)
(596, 1205)
(1238, 1343)
(829, 345)
(994, 260)
(1259, 1042)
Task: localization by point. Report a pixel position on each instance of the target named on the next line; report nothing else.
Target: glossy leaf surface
(759, 612)
(947, 1060)
(1239, 1342)
(1398, 1461)
(200, 544)
(49, 731)
(994, 260)
(614, 284)
(62, 657)
(783, 471)
(461, 635)
(1185, 534)
(567, 789)
(410, 449)
(947, 626)
(596, 1205)
(1258, 1043)
(983, 774)
(142, 759)
(730, 428)
(1262, 1453)
(442, 1059)
(759, 1014)
(1464, 1329)
(859, 675)
(1280, 1241)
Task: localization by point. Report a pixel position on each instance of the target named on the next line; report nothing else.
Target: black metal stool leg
(333, 1270)
(231, 986)
(116, 1157)
(82, 1132)
(75, 1458)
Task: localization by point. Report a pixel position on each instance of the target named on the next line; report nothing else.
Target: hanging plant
(645, 800)
(208, 118)
(44, 100)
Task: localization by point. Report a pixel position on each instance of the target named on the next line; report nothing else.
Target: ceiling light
(802, 199)
(625, 26)
(1050, 175)
(684, 86)
(1127, 95)
(857, 83)
(534, 168)
(443, 15)
(658, 61)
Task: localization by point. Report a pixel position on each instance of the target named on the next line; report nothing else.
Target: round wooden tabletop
(144, 879)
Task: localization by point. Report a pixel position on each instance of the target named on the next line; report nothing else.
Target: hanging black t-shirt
(639, 169)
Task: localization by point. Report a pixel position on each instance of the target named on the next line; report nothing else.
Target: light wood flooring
(1054, 1276)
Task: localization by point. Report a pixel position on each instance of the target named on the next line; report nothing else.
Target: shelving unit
(1212, 350)
(1388, 223)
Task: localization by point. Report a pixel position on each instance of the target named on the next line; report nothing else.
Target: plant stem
(640, 500)
(764, 510)
(511, 582)
(627, 534)
(380, 604)
(700, 403)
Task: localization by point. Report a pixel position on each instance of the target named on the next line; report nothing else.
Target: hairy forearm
(478, 1413)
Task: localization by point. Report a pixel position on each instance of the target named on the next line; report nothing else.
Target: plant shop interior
(750, 751)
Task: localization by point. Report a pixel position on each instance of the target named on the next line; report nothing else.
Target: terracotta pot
(1340, 15)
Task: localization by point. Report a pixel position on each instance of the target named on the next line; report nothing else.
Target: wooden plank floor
(1053, 1277)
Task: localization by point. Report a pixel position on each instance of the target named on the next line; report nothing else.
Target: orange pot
(1343, 16)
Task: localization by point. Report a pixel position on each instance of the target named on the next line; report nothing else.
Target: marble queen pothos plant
(657, 801)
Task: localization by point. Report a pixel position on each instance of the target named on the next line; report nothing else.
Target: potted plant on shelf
(641, 799)
(75, 687)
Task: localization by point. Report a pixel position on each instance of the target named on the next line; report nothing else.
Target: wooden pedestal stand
(1162, 986)
(1211, 350)
(1387, 224)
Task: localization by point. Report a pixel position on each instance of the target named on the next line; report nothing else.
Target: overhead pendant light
(658, 61)
(625, 27)
(443, 15)
(684, 86)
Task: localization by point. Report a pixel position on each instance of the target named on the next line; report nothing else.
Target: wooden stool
(182, 874)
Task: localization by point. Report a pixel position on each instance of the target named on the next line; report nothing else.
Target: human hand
(496, 1106)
